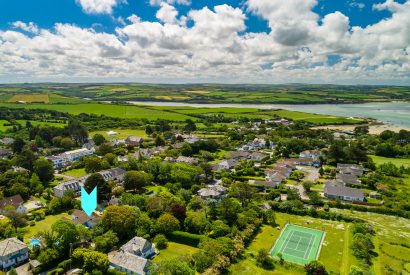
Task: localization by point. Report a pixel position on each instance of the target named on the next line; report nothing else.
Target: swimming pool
(34, 242)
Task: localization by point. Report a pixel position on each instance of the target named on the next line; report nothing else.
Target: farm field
(112, 110)
(396, 161)
(392, 241)
(122, 133)
(30, 98)
(33, 122)
(174, 251)
(335, 253)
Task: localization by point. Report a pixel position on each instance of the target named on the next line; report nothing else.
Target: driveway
(312, 173)
(300, 189)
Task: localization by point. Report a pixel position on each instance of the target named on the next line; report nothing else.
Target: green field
(174, 251)
(76, 173)
(122, 133)
(33, 122)
(298, 244)
(335, 252)
(396, 161)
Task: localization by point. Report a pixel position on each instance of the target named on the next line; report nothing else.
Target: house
(5, 153)
(348, 179)
(75, 155)
(80, 217)
(188, 160)
(7, 141)
(353, 169)
(131, 258)
(341, 192)
(58, 161)
(16, 201)
(13, 252)
(257, 156)
(128, 263)
(133, 140)
(239, 155)
(226, 164)
(313, 154)
(114, 174)
(264, 183)
(275, 177)
(215, 192)
(375, 195)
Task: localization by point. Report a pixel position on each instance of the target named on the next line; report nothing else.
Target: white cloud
(172, 2)
(99, 6)
(390, 5)
(167, 14)
(28, 27)
(212, 44)
(359, 5)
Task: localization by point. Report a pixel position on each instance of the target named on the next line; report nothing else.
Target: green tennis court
(298, 244)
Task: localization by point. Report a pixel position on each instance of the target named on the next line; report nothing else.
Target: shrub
(161, 241)
(186, 238)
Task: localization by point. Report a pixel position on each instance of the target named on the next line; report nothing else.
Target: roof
(265, 183)
(128, 261)
(348, 178)
(80, 217)
(15, 201)
(340, 190)
(134, 139)
(239, 154)
(136, 245)
(212, 191)
(11, 245)
(186, 159)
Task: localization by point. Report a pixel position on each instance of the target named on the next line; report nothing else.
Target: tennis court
(298, 244)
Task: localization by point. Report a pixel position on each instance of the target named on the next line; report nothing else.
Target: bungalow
(6, 141)
(133, 140)
(310, 154)
(275, 177)
(353, 169)
(215, 192)
(239, 155)
(80, 217)
(348, 179)
(16, 201)
(131, 258)
(339, 191)
(188, 160)
(13, 252)
(264, 183)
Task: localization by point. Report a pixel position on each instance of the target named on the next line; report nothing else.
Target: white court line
(310, 248)
(287, 240)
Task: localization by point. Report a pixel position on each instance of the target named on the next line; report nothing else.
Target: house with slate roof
(13, 252)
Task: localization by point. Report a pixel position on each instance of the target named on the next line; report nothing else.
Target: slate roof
(11, 245)
(15, 201)
(136, 246)
(128, 261)
(342, 191)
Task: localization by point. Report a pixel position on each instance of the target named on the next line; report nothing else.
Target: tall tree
(44, 169)
(103, 189)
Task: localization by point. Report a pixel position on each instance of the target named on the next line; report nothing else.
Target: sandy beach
(373, 129)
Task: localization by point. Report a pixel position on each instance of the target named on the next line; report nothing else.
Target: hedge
(185, 238)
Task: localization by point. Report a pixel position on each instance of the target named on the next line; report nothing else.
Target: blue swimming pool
(34, 243)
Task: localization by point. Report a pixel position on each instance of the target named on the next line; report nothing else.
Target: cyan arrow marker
(89, 201)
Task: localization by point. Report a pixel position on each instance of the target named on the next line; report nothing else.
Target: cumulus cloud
(172, 2)
(213, 44)
(99, 6)
(28, 27)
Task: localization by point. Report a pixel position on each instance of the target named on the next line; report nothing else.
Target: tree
(66, 143)
(66, 233)
(103, 189)
(106, 241)
(12, 272)
(94, 164)
(186, 150)
(120, 219)
(315, 198)
(90, 260)
(172, 267)
(98, 139)
(44, 169)
(16, 219)
(219, 229)
(77, 131)
(243, 192)
(149, 130)
(25, 159)
(159, 141)
(362, 246)
(355, 270)
(48, 257)
(136, 180)
(18, 145)
(270, 217)
(161, 241)
(189, 126)
(228, 209)
(307, 185)
(264, 260)
(315, 268)
(195, 222)
(166, 223)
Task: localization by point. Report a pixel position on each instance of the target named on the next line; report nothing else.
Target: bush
(161, 241)
(186, 238)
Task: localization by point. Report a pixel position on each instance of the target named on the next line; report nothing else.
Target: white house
(74, 155)
(16, 201)
(13, 252)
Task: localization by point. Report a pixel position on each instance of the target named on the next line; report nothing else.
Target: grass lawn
(396, 161)
(30, 98)
(392, 241)
(174, 251)
(335, 253)
(122, 133)
(76, 173)
(42, 225)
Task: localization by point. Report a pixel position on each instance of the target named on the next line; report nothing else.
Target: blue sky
(277, 40)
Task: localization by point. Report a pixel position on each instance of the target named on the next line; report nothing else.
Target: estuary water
(396, 114)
